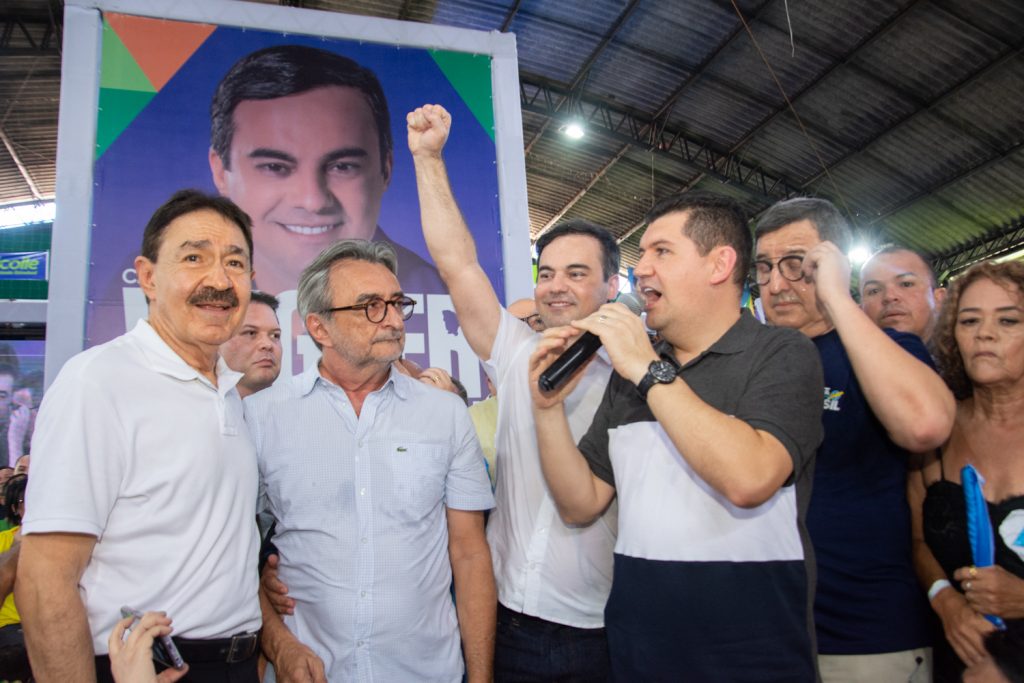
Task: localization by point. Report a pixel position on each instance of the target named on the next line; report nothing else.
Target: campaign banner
(230, 110)
(24, 265)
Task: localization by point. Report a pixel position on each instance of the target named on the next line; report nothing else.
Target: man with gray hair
(378, 487)
(881, 401)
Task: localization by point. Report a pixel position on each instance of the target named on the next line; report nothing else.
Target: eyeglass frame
(775, 265)
(531, 319)
(398, 302)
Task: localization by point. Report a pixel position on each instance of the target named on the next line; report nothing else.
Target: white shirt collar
(163, 359)
(311, 375)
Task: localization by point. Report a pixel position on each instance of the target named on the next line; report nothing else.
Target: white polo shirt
(543, 567)
(135, 447)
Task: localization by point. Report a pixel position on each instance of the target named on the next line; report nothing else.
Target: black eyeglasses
(790, 267)
(534, 321)
(377, 309)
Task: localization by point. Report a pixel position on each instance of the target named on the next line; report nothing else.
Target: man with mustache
(392, 515)
(882, 401)
(117, 515)
(898, 289)
(255, 350)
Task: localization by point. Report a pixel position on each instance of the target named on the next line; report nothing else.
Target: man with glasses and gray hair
(378, 487)
(882, 401)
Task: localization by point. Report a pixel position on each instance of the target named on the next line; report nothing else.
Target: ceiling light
(859, 254)
(574, 130)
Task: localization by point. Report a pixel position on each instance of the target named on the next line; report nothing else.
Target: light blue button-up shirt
(361, 527)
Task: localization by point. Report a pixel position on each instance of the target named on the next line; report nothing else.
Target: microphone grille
(631, 301)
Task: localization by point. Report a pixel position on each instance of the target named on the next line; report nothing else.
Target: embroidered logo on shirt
(401, 449)
(1012, 532)
(832, 399)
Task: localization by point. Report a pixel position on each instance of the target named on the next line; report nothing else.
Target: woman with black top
(979, 346)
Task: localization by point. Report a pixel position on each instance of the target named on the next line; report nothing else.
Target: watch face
(663, 371)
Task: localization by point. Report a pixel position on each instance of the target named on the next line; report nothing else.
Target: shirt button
(359, 643)
(363, 539)
(362, 594)
(362, 492)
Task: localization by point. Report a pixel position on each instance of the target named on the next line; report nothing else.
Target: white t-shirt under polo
(543, 567)
(135, 447)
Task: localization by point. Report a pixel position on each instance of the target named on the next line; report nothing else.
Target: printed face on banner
(307, 169)
(305, 149)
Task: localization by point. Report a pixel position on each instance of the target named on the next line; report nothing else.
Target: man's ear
(145, 271)
(218, 172)
(723, 263)
(613, 287)
(317, 330)
(940, 296)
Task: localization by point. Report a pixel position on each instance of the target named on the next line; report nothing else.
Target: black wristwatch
(658, 372)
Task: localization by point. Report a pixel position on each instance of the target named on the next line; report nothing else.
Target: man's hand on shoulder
(428, 128)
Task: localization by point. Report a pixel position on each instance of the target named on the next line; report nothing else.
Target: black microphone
(581, 350)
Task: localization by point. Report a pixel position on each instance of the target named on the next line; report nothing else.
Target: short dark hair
(577, 226)
(714, 221)
(185, 202)
(14, 490)
(284, 70)
(892, 248)
(830, 223)
(261, 297)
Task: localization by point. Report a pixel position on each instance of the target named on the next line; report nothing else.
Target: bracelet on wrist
(938, 587)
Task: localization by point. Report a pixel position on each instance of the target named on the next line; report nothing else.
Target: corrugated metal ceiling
(912, 110)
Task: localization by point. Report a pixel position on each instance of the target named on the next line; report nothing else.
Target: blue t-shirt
(868, 600)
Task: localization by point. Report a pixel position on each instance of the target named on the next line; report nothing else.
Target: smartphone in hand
(164, 650)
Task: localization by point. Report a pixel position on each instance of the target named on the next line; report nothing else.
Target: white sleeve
(512, 334)
(79, 453)
(467, 486)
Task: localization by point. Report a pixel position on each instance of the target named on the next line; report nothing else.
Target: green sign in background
(35, 237)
